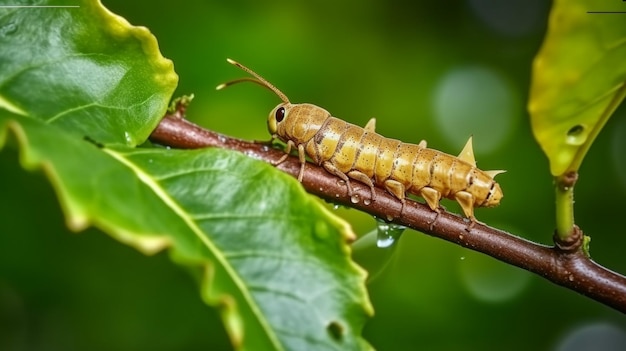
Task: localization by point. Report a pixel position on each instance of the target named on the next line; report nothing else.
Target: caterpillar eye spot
(280, 114)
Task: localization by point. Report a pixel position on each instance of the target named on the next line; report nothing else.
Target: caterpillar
(359, 153)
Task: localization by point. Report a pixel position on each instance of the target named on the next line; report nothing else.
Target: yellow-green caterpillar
(352, 152)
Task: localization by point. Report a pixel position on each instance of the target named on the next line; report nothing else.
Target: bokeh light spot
(489, 280)
(476, 101)
(512, 17)
(594, 336)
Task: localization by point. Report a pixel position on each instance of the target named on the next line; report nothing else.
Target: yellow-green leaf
(578, 78)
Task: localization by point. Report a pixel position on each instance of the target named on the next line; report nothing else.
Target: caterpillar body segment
(359, 153)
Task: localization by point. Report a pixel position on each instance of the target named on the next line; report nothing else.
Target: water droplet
(221, 138)
(150, 160)
(367, 202)
(355, 198)
(335, 207)
(252, 154)
(462, 258)
(8, 29)
(128, 138)
(388, 233)
(265, 148)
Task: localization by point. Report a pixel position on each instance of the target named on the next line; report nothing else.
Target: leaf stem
(564, 188)
(564, 184)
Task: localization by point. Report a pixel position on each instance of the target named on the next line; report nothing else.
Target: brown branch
(564, 264)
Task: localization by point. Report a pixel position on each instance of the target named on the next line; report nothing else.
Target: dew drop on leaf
(388, 233)
(128, 138)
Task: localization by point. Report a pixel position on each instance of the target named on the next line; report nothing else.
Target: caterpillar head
(495, 195)
(275, 121)
(287, 121)
(278, 114)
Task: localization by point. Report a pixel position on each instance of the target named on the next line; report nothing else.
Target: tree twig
(564, 264)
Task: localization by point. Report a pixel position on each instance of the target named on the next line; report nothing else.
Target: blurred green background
(439, 71)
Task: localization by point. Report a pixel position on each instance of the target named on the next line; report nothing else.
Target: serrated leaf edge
(78, 219)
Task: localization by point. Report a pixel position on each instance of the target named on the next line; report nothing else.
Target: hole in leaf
(335, 330)
(576, 135)
(575, 130)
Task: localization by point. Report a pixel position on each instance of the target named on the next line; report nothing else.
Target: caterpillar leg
(302, 157)
(397, 189)
(363, 178)
(466, 200)
(432, 198)
(334, 170)
(290, 144)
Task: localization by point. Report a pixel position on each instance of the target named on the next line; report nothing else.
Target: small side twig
(567, 266)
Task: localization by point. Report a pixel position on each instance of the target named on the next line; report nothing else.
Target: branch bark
(564, 264)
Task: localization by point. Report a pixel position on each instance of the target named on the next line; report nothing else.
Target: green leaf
(84, 69)
(579, 79)
(270, 256)
(274, 260)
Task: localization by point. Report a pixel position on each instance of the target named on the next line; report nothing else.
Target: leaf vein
(178, 210)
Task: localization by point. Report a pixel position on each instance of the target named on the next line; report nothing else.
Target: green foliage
(269, 256)
(579, 79)
(388, 61)
(85, 70)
